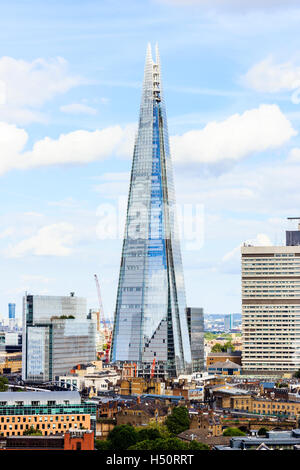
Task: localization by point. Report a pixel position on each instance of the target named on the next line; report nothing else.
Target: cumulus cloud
(50, 240)
(78, 108)
(267, 76)
(75, 147)
(236, 137)
(260, 240)
(26, 86)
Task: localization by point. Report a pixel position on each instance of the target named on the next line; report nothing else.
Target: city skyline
(65, 98)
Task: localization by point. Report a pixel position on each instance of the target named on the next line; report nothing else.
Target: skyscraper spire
(150, 320)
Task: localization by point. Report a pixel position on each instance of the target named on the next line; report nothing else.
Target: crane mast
(106, 328)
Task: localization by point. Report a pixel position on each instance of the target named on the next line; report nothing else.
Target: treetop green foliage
(178, 421)
(233, 432)
(3, 384)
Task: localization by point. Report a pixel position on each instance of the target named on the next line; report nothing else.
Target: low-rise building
(207, 421)
(225, 368)
(233, 356)
(48, 412)
(274, 440)
(70, 440)
(143, 413)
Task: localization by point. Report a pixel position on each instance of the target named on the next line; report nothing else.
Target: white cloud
(75, 147)
(6, 233)
(78, 108)
(294, 155)
(238, 4)
(50, 240)
(266, 76)
(236, 137)
(260, 240)
(26, 86)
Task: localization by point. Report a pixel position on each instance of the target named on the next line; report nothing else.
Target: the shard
(150, 325)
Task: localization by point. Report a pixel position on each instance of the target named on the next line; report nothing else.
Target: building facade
(271, 309)
(195, 320)
(150, 324)
(56, 336)
(47, 412)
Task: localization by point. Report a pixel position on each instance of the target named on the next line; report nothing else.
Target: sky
(70, 86)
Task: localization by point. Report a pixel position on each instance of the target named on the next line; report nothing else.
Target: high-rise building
(228, 322)
(271, 308)
(150, 324)
(57, 335)
(11, 311)
(12, 315)
(195, 319)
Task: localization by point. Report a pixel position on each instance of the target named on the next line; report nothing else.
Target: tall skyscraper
(57, 335)
(150, 324)
(271, 308)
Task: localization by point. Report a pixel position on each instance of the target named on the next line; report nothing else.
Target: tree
(3, 384)
(178, 421)
(171, 443)
(167, 444)
(233, 432)
(297, 374)
(194, 445)
(148, 434)
(122, 437)
(102, 445)
(218, 347)
(32, 432)
(262, 431)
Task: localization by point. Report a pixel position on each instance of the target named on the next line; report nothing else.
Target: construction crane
(106, 329)
(153, 368)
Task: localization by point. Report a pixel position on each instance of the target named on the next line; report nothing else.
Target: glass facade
(57, 335)
(150, 322)
(195, 319)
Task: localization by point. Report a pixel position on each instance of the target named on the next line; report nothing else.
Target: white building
(271, 308)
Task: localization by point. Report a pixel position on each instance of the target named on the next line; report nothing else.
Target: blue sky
(70, 84)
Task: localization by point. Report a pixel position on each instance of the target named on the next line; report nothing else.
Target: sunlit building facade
(271, 309)
(150, 324)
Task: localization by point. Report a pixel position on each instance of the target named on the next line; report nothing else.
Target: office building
(57, 334)
(48, 412)
(195, 319)
(150, 324)
(228, 322)
(271, 309)
(11, 315)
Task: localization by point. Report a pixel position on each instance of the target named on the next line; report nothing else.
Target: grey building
(274, 440)
(57, 334)
(195, 320)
